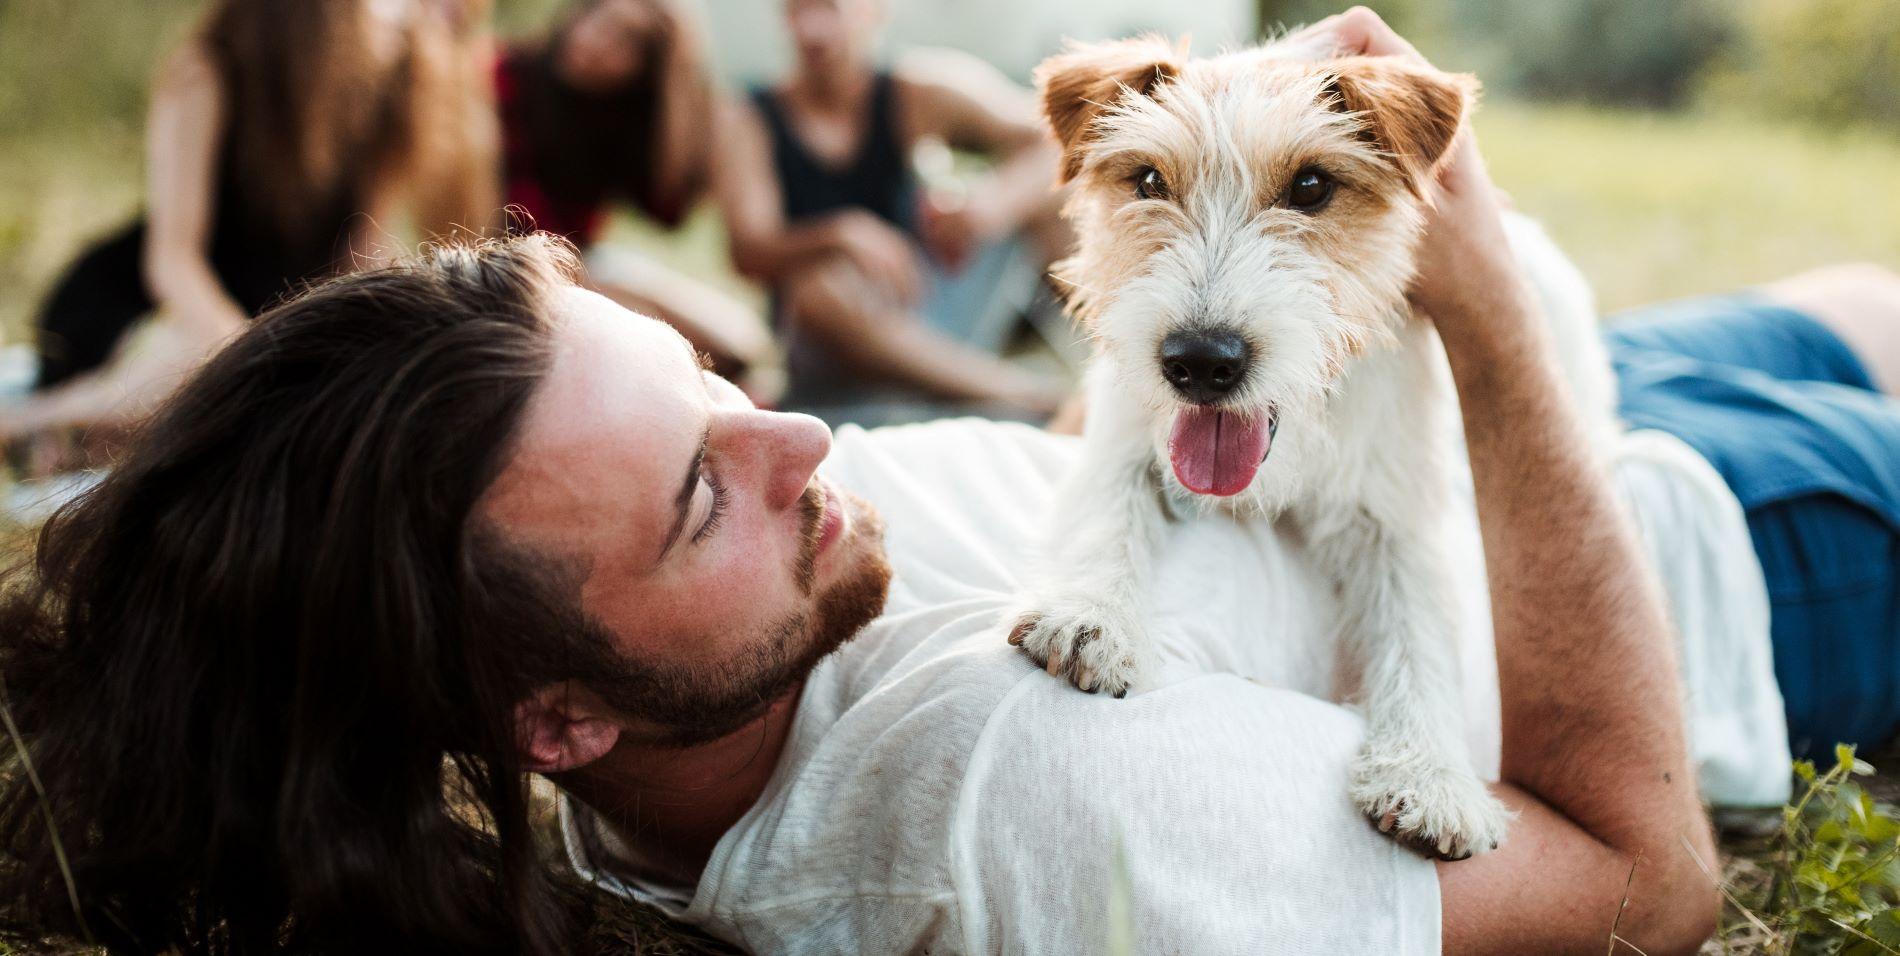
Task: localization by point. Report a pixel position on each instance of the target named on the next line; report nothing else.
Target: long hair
(594, 147)
(315, 123)
(266, 670)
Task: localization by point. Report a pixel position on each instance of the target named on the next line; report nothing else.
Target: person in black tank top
(878, 179)
(878, 284)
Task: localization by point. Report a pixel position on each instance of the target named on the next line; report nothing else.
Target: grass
(1652, 206)
(1827, 879)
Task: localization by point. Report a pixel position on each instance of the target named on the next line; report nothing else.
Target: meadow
(1651, 205)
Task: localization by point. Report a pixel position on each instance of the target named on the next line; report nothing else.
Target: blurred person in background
(612, 107)
(880, 287)
(283, 138)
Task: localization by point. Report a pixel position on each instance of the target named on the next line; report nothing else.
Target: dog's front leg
(1083, 616)
(1414, 777)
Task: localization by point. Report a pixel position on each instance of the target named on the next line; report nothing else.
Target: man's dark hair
(266, 670)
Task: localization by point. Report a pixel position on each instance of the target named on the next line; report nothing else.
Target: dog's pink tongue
(1216, 452)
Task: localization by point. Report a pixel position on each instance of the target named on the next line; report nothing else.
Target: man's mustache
(811, 506)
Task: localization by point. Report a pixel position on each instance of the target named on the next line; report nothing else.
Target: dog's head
(1246, 226)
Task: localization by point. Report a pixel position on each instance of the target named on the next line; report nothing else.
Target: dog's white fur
(1360, 467)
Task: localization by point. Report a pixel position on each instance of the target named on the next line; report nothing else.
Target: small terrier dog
(1247, 227)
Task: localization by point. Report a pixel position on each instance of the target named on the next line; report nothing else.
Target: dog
(1247, 227)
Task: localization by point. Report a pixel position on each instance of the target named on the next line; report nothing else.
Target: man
(428, 528)
(893, 296)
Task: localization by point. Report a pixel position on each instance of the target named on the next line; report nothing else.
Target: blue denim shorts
(1789, 417)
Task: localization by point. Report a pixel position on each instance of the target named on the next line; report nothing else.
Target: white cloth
(939, 793)
(1699, 544)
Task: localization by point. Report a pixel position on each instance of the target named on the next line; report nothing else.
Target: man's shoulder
(963, 501)
(945, 437)
(967, 462)
(1001, 799)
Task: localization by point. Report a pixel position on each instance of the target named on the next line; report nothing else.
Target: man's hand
(1465, 265)
(1468, 280)
(1357, 32)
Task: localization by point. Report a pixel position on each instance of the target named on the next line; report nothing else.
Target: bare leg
(836, 304)
(1860, 303)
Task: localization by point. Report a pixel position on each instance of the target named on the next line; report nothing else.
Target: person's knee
(830, 297)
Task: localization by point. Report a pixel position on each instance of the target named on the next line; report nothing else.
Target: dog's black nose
(1203, 364)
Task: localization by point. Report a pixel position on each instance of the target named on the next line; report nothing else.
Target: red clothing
(577, 218)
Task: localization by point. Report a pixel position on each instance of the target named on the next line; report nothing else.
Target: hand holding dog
(1468, 279)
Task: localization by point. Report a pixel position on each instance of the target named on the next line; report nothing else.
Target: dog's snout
(1203, 364)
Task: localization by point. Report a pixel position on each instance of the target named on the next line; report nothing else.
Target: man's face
(718, 564)
(603, 48)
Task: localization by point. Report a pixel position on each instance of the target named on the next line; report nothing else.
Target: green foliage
(1832, 61)
(1830, 880)
(1639, 52)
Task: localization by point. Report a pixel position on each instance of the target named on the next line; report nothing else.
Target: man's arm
(1594, 758)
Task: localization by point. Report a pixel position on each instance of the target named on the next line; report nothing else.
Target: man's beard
(696, 702)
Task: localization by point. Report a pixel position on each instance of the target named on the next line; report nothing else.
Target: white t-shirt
(938, 793)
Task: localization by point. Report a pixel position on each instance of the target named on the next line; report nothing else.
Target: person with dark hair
(283, 135)
(612, 107)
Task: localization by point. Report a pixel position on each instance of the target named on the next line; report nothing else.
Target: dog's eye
(1310, 190)
(1150, 185)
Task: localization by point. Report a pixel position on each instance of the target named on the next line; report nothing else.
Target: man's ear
(1411, 111)
(563, 727)
(1087, 78)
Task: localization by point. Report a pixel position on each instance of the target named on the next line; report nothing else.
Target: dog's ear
(1087, 78)
(1411, 111)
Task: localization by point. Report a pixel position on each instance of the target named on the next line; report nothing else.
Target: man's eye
(722, 499)
(1150, 185)
(1310, 190)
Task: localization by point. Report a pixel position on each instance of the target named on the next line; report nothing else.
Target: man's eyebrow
(683, 499)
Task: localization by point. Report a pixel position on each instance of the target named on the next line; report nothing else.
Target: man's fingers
(1464, 171)
(1358, 31)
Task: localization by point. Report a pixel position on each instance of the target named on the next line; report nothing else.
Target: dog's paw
(1432, 805)
(1094, 647)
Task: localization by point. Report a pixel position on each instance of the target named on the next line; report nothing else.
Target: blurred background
(1672, 146)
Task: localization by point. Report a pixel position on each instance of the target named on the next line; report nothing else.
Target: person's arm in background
(1594, 757)
(968, 104)
(183, 135)
(682, 136)
(766, 248)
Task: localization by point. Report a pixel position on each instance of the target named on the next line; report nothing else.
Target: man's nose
(789, 447)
